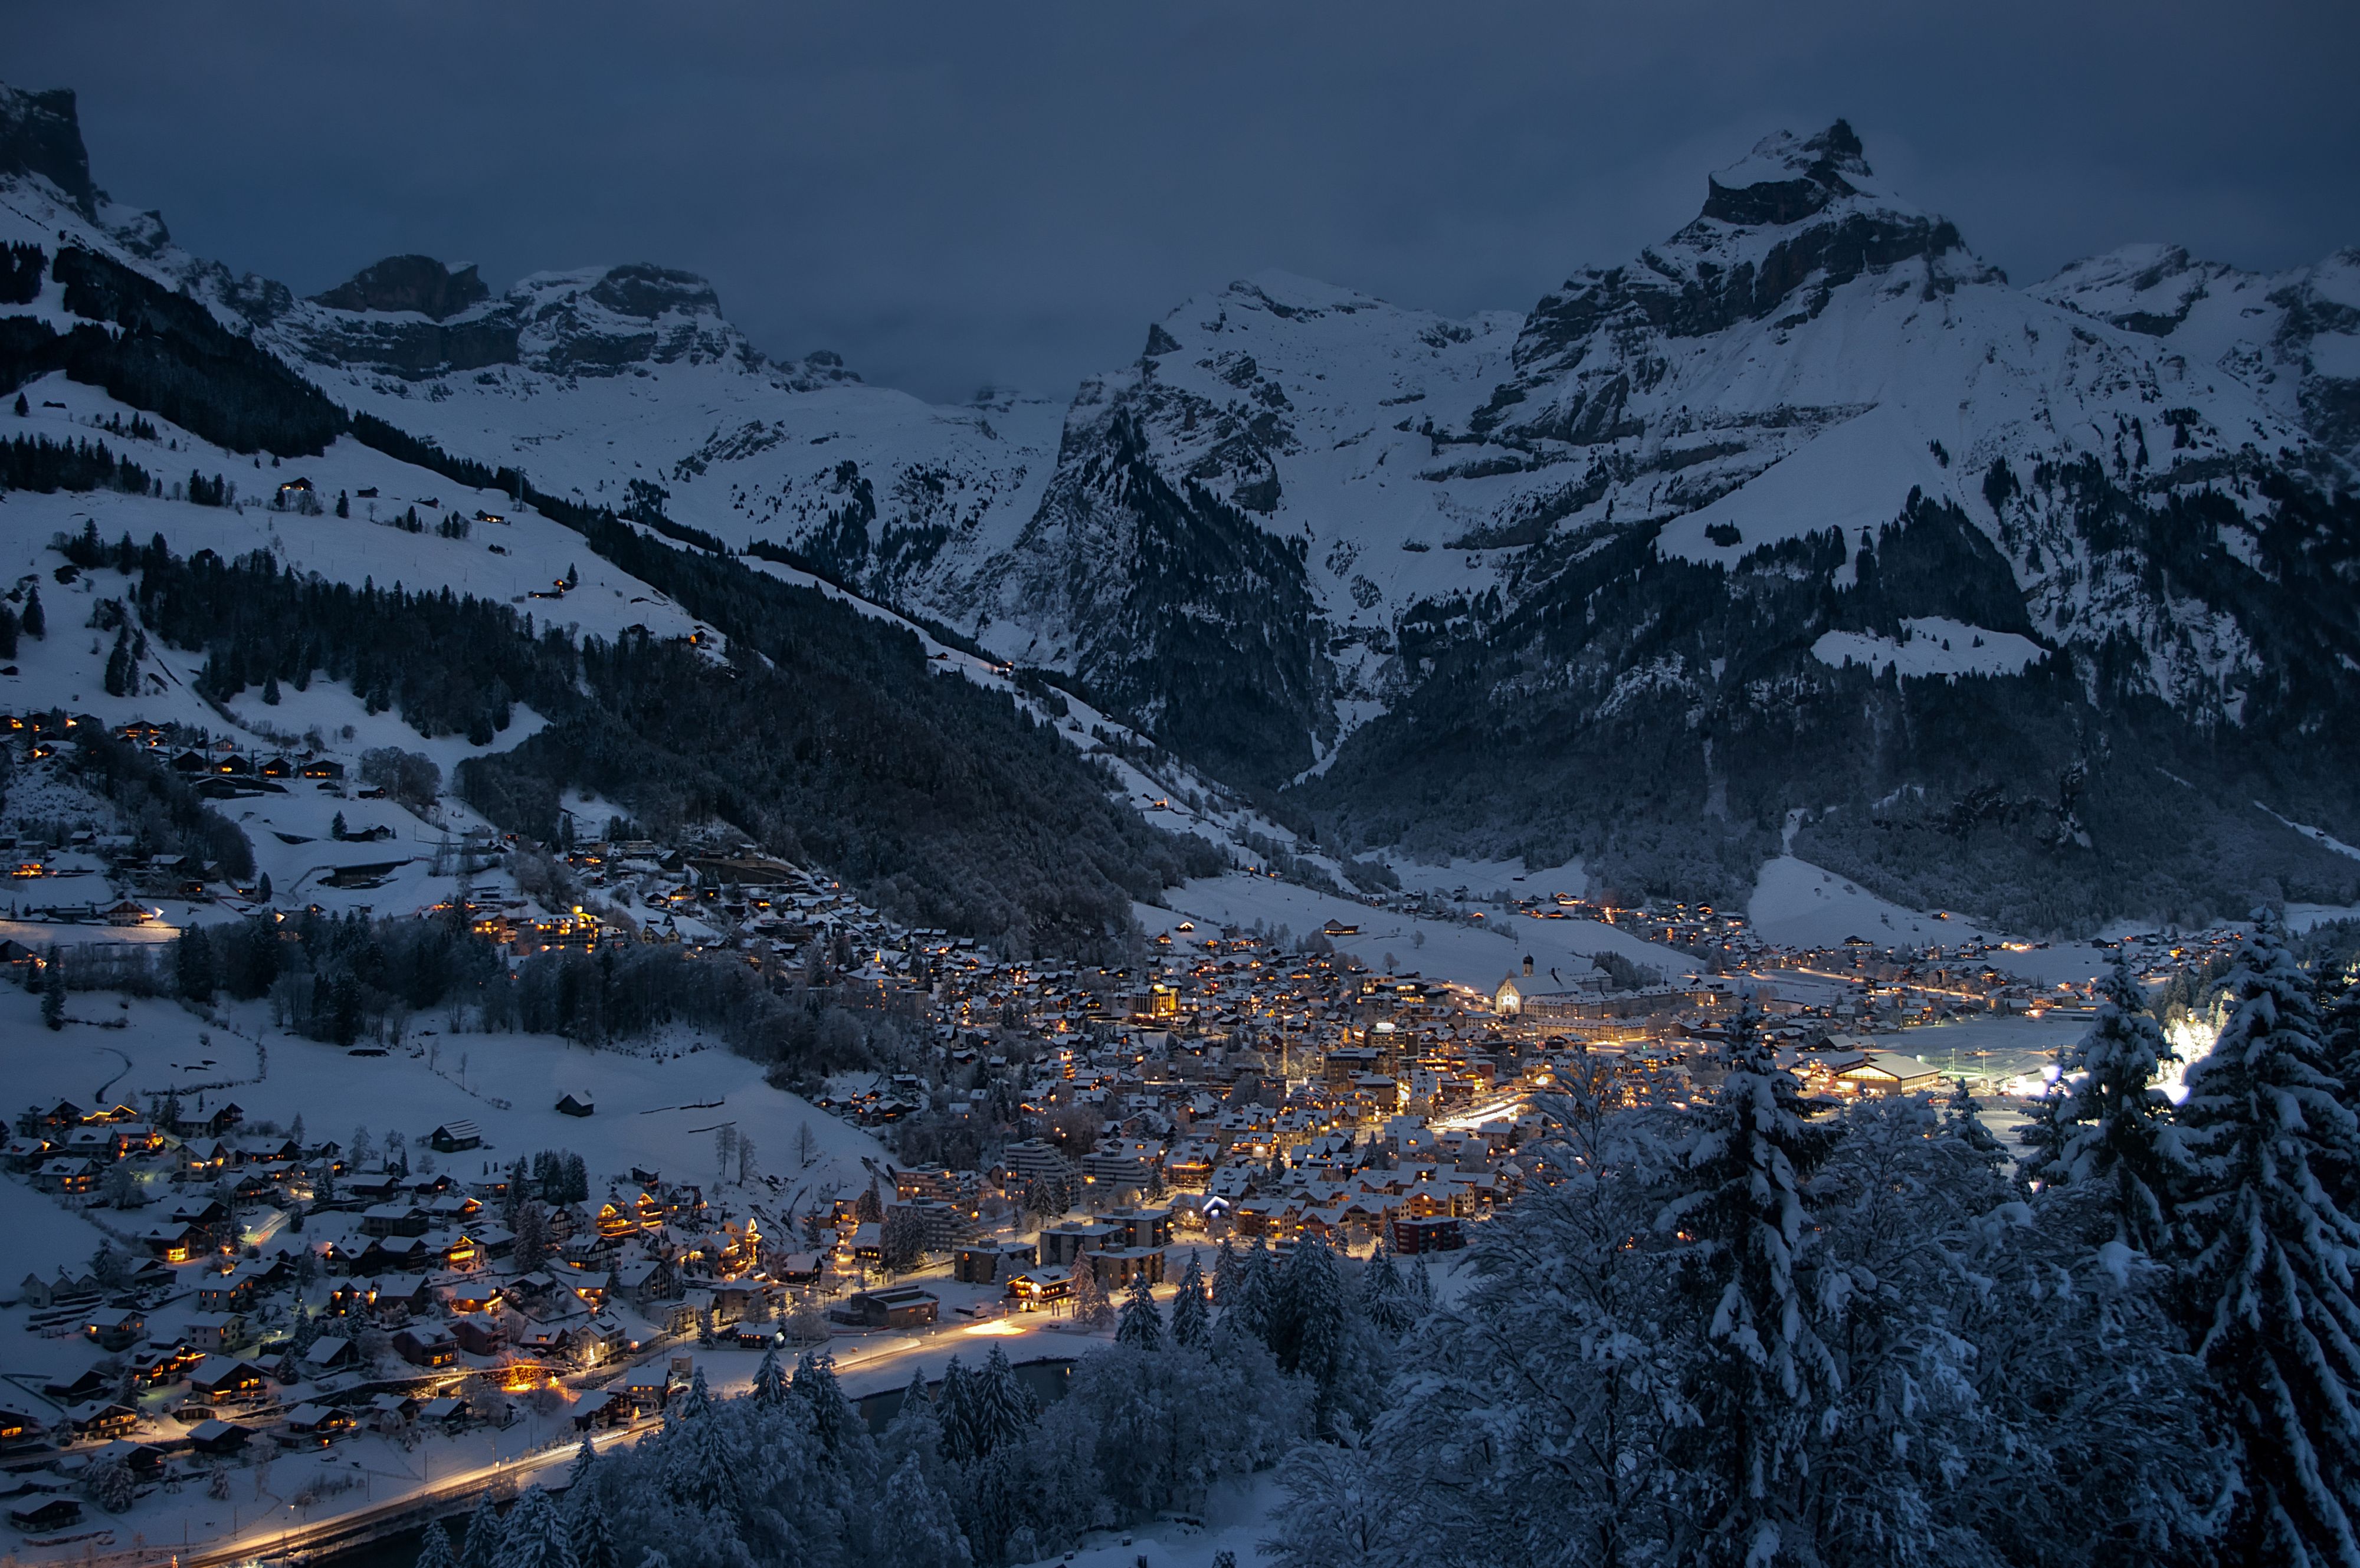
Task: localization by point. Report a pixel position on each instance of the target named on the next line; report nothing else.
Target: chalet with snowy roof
(453, 1137)
(66, 1177)
(1889, 1072)
(330, 1353)
(217, 1437)
(221, 1380)
(41, 1516)
(100, 1420)
(993, 1262)
(320, 1424)
(115, 1328)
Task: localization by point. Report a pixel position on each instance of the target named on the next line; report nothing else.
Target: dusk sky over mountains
(952, 195)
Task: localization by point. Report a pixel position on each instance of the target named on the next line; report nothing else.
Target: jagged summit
(41, 135)
(409, 283)
(1787, 178)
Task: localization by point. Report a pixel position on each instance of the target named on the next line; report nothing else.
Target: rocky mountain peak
(644, 291)
(40, 134)
(1787, 178)
(409, 283)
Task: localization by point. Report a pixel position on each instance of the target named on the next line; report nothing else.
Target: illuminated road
(255, 1542)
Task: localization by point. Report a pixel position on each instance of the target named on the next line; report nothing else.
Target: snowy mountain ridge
(1306, 532)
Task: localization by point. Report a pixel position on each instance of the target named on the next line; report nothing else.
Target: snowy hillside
(624, 386)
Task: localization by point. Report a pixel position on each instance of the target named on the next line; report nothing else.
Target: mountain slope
(1813, 428)
(821, 727)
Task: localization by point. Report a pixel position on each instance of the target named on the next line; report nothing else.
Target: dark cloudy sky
(952, 194)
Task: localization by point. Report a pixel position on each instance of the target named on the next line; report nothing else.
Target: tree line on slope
(1660, 717)
(825, 735)
(346, 979)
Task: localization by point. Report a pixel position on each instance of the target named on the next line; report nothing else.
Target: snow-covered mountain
(626, 386)
(1803, 356)
(1718, 536)
(1806, 509)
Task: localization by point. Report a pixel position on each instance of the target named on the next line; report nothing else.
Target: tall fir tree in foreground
(1765, 1376)
(2268, 1279)
(480, 1546)
(434, 1547)
(2339, 1009)
(535, 1536)
(2115, 1126)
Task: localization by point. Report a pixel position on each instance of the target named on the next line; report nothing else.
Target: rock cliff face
(40, 136)
(418, 283)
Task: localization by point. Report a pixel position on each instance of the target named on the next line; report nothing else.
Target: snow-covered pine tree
(1962, 1117)
(589, 1528)
(434, 1545)
(955, 1408)
(1764, 1371)
(842, 1433)
(916, 1526)
(1192, 1324)
(1383, 1301)
(999, 1409)
(1311, 1308)
(1090, 1304)
(1418, 1281)
(1250, 1303)
(535, 1536)
(1142, 1320)
(480, 1546)
(915, 1429)
(770, 1379)
(1225, 1273)
(2269, 1274)
(2043, 1134)
(2339, 1011)
(696, 1400)
(2115, 1126)
(915, 1396)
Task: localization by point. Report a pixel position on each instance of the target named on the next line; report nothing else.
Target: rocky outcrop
(417, 284)
(41, 134)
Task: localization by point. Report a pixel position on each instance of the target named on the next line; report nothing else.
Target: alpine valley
(1804, 526)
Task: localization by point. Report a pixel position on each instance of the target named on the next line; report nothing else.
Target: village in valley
(279, 1290)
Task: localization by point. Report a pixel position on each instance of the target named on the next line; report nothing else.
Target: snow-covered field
(1796, 904)
(1484, 878)
(659, 1108)
(1238, 1517)
(1463, 953)
(1931, 645)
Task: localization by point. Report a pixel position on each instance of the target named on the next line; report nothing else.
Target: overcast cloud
(955, 194)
